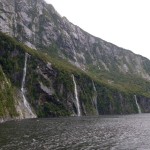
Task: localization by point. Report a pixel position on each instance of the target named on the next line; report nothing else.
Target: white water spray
(26, 104)
(95, 98)
(76, 96)
(138, 107)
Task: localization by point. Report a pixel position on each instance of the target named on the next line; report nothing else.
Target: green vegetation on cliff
(7, 101)
(50, 88)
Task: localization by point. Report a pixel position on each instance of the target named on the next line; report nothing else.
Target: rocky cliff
(39, 26)
(65, 70)
(50, 86)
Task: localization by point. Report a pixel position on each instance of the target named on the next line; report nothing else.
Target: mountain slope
(50, 87)
(7, 101)
(67, 70)
(39, 26)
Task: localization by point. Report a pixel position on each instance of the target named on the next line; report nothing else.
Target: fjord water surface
(77, 133)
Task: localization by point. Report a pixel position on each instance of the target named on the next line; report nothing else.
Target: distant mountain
(107, 76)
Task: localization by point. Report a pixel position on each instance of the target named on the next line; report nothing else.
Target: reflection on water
(77, 133)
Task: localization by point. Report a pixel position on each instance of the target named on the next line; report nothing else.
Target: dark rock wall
(50, 89)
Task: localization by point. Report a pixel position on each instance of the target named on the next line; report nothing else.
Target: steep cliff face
(70, 73)
(7, 101)
(52, 86)
(39, 26)
(11, 100)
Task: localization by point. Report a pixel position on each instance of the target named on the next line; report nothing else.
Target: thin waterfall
(138, 107)
(26, 104)
(76, 96)
(95, 98)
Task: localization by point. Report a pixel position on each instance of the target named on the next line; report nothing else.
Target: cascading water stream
(95, 98)
(76, 96)
(26, 104)
(138, 107)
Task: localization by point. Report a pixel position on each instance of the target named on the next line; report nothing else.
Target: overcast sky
(125, 23)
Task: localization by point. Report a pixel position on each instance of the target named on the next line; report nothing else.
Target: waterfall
(26, 104)
(138, 107)
(95, 98)
(76, 96)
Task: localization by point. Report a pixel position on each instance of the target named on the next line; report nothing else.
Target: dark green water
(129, 132)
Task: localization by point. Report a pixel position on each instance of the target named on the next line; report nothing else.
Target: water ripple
(77, 133)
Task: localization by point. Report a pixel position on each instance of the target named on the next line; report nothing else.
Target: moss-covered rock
(7, 100)
(49, 85)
